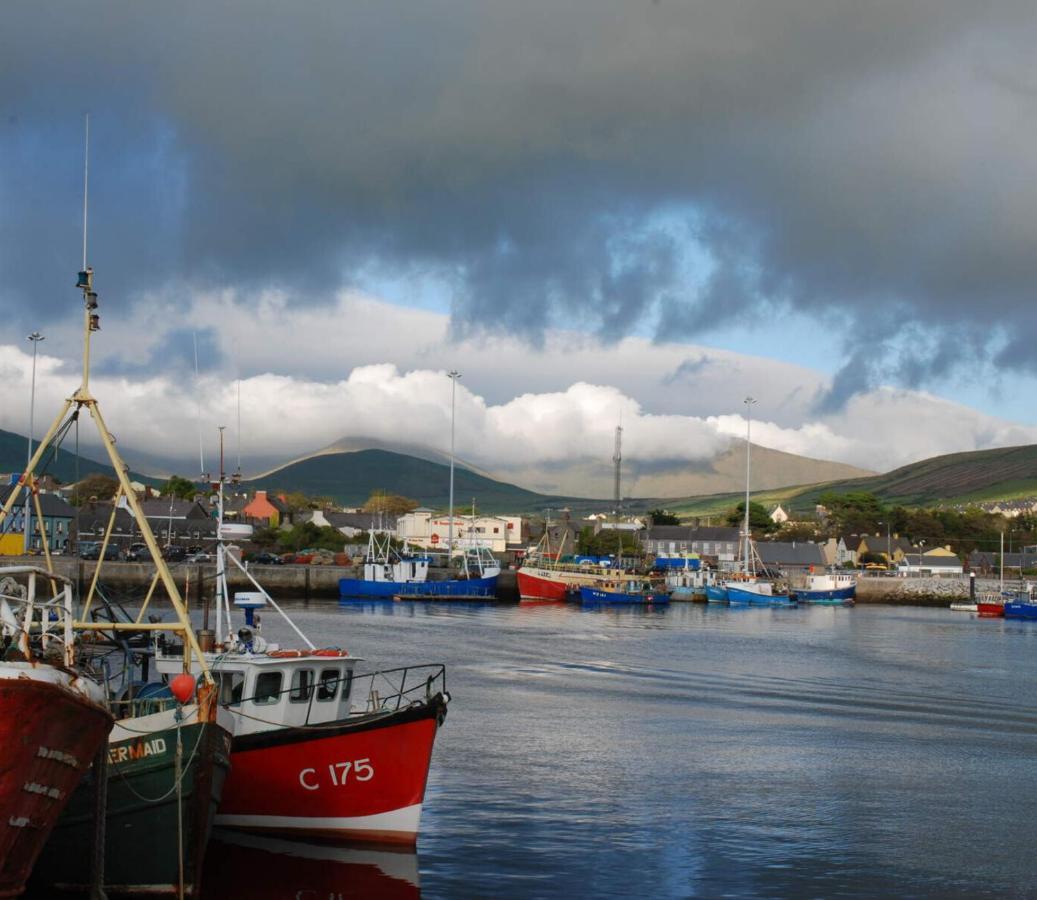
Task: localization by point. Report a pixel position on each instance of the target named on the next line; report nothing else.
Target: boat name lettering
(137, 750)
(58, 756)
(338, 773)
(33, 788)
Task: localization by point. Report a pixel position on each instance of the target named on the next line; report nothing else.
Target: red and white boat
(318, 749)
(544, 577)
(990, 606)
(53, 719)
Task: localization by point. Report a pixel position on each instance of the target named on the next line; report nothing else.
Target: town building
(58, 518)
(720, 542)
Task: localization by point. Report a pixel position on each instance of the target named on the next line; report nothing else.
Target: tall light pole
(453, 375)
(35, 337)
(889, 546)
(749, 402)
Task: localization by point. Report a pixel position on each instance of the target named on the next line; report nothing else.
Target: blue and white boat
(1022, 605)
(629, 592)
(716, 593)
(389, 573)
(828, 588)
(755, 591)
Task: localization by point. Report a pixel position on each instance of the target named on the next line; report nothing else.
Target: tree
(759, 520)
(182, 488)
(94, 487)
(389, 504)
(797, 531)
(660, 516)
(608, 542)
(856, 512)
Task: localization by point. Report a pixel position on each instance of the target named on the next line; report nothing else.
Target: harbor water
(693, 752)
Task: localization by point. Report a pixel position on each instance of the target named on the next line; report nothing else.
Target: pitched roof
(798, 553)
(50, 504)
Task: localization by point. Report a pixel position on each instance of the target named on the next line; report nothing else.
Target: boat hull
(361, 780)
(594, 595)
(991, 610)
(743, 597)
(832, 597)
(535, 587)
(1015, 609)
(141, 842)
(49, 735)
(716, 593)
(352, 588)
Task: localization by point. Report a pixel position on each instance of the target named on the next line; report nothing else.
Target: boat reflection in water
(240, 866)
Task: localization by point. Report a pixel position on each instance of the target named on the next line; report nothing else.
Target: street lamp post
(35, 337)
(453, 375)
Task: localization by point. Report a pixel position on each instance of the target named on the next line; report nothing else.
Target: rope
(180, 804)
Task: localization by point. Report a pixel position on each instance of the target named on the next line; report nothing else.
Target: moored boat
(388, 572)
(630, 592)
(716, 593)
(991, 606)
(165, 776)
(756, 592)
(53, 718)
(1023, 605)
(318, 749)
(828, 588)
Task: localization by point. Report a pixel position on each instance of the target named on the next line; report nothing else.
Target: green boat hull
(143, 826)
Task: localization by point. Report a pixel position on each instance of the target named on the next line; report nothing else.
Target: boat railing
(387, 690)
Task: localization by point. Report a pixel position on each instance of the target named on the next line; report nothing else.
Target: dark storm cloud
(547, 161)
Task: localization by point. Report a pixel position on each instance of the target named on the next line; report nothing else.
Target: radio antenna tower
(617, 462)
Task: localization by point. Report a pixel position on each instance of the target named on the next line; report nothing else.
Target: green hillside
(350, 478)
(62, 465)
(1002, 474)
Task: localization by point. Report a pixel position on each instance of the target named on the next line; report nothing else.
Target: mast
(617, 462)
(71, 409)
(453, 375)
(746, 534)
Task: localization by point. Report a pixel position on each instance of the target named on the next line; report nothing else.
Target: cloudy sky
(596, 211)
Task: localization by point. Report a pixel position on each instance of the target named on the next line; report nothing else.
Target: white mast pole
(746, 560)
(453, 375)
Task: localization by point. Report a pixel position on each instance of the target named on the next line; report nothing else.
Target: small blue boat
(632, 593)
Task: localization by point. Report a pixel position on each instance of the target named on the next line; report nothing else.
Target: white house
(779, 516)
(940, 562)
(424, 528)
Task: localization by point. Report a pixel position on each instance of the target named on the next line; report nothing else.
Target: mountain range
(350, 469)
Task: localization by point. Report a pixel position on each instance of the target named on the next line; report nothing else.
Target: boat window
(328, 687)
(231, 686)
(302, 685)
(268, 688)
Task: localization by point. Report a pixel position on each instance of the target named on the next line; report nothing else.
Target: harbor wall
(287, 582)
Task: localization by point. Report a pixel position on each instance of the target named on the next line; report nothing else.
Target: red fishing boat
(318, 749)
(990, 606)
(52, 719)
(544, 576)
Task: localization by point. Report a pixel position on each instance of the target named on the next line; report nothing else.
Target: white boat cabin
(277, 689)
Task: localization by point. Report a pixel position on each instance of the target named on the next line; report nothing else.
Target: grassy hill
(1001, 474)
(1006, 473)
(350, 478)
(62, 465)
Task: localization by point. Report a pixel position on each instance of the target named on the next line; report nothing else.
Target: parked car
(93, 551)
(266, 559)
(199, 557)
(137, 553)
(174, 553)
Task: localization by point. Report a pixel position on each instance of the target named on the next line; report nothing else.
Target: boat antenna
(617, 462)
(198, 401)
(746, 561)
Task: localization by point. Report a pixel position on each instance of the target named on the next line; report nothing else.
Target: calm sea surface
(695, 752)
